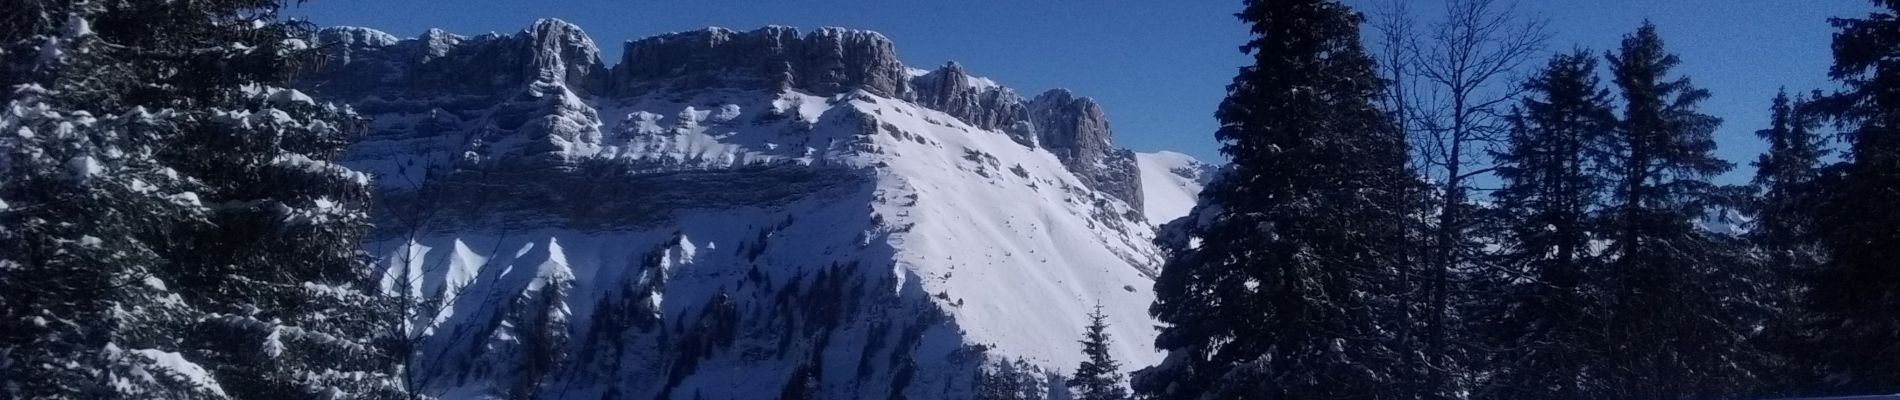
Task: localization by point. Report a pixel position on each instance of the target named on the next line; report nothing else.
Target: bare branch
(1461, 75)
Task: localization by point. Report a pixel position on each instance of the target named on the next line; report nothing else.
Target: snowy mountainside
(1171, 184)
(724, 214)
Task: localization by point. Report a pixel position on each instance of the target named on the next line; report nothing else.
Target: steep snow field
(1170, 184)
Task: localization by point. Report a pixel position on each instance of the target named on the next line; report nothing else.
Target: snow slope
(1170, 184)
(628, 232)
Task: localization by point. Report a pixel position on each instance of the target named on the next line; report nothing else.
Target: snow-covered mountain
(759, 214)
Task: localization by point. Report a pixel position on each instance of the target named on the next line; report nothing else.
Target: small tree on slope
(1099, 377)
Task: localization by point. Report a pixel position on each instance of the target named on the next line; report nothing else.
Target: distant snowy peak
(1171, 184)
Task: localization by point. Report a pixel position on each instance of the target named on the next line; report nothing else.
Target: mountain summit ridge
(826, 62)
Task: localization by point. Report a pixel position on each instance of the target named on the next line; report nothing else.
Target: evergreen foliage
(1549, 304)
(1602, 276)
(1288, 293)
(1855, 294)
(1675, 326)
(1783, 236)
(1785, 179)
(1099, 377)
(1011, 380)
(173, 226)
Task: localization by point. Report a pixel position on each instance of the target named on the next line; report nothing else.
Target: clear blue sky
(1160, 67)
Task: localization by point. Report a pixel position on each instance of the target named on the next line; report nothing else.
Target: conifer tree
(1784, 195)
(1099, 377)
(1674, 329)
(84, 304)
(1287, 295)
(1010, 380)
(169, 214)
(1784, 179)
(1544, 323)
(1856, 292)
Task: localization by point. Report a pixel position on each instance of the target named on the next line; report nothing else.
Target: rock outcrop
(1075, 129)
(826, 62)
(977, 101)
(362, 62)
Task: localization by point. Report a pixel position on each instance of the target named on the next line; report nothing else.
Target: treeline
(1349, 253)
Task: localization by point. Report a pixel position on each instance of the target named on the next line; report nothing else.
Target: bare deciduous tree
(1449, 86)
(1395, 50)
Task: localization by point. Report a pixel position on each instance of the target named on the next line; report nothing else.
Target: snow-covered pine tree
(1545, 309)
(1288, 294)
(1857, 290)
(1099, 377)
(172, 222)
(84, 212)
(1675, 326)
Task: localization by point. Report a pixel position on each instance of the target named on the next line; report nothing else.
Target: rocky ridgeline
(365, 62)
(368, 64)
(826, 62)
(952, 90)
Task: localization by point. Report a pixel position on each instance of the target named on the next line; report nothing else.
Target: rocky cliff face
(1076, 131)
(826, 62)
(1073, 128)
(833, 60)
(366, 62)
(977, 101)
(736, 215)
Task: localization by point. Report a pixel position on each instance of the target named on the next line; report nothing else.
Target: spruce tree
(1288, 293)
(84, 210)
(1784, 180)
(1855, 295)
(1782, 233)
(1010, 380)
(172, 225)
(1674, 329)
(1543, 322)
(1099, 377)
